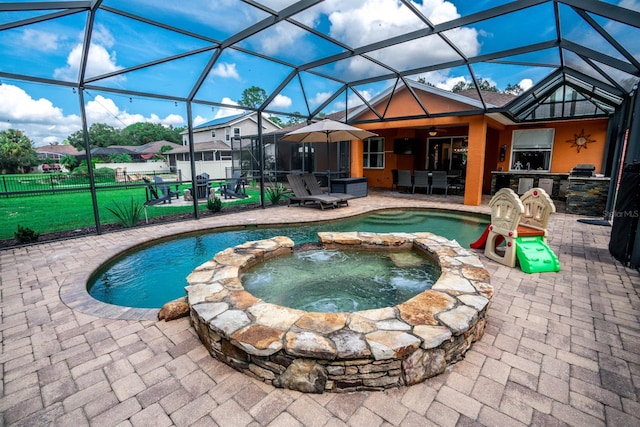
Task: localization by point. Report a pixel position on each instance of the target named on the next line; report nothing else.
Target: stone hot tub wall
(365, 350)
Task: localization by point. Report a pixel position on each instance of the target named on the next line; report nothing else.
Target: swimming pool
(155, 274)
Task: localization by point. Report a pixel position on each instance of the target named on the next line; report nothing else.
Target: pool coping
(318, 352)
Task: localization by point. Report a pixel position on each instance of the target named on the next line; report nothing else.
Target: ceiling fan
(433, 131)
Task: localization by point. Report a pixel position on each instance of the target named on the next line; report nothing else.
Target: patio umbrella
(327, 131)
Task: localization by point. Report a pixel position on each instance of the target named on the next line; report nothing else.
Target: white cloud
(281, 101)
(39, 40)
(320, 97)
(99, 61)
(226, 70)
(102, 36)
(275, 38)
(105, 110)
(39, 119)
(45, 123)
(173, 120)
(365, 22)
(227, 111)
(449, 82)
(526, 84)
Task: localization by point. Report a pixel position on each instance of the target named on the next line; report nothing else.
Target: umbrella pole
(328, 166)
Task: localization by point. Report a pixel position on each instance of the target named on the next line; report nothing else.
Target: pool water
(155, 274)
(341, 281)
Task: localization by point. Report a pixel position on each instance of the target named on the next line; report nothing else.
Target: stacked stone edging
(365, 350)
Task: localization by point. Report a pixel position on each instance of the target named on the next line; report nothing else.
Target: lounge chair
(158, 192)
(313, 186)
(234, 188)
(301, 196)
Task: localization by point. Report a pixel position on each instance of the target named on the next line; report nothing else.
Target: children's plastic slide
(482, 240)
(535, 256)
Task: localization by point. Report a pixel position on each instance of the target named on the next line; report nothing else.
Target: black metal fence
(35, 184)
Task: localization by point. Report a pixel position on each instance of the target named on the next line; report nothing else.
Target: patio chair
(404, 180)
(203, 187)
(301, 196)
(158, 192)
(439, 181)
(421, 180)
(234, 188)
(314, 189)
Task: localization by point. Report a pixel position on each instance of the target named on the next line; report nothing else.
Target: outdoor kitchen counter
(587, 195)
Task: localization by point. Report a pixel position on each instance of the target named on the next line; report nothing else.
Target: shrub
(214, 204)
(128, 215)
(276, 193)
(26, 235)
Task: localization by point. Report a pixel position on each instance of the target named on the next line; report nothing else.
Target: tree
(69, 162)
(100, 135)
(277, 120)
(515, 89)
(17, 154)
(143, 133)
(253, 97)
(483, 85)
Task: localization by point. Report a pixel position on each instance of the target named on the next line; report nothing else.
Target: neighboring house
(150, 149)
(225, 129)
(57, 151)
(218, 145)
(53, 154)
(213, 158)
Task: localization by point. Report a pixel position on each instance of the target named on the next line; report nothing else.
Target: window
(227, 134)
(236, 132)
(531, 149)
(373, 153)
(213, 133)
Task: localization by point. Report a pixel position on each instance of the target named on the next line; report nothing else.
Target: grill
(583, 170)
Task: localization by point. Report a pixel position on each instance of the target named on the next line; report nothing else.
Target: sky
(52, 50)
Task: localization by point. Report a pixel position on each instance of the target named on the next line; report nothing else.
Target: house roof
(202, 146)
(222, 121)
(498, 99)
(154, 147)
(63, 149)
(112, 149)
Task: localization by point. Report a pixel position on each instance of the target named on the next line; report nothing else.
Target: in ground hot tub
(363, 350)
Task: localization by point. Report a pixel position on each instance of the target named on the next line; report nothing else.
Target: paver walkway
(559, 349)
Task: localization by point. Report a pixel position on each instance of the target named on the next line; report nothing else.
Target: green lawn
(68, 211)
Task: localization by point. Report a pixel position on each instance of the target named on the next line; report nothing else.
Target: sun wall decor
(580, 141)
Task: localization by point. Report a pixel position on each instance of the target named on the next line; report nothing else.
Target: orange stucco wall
(565, 156)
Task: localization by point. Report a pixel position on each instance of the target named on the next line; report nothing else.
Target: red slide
(482, 240)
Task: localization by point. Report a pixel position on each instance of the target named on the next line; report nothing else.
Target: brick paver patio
(559, 349)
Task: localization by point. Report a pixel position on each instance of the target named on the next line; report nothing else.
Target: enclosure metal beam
(192, 161)
(85, 129)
